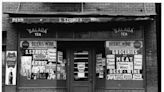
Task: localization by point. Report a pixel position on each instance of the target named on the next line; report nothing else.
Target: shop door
(81, 76)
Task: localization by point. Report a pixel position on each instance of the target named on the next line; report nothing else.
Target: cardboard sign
(127, 76)
(38, 44)
(110, 77)
(81, 74)
(101, 75)
(40, 57)
(60, 57)
(125, 65)
(137, 76)
(119, 77)
(26, 65)
(51, 53)
(35, 51)
(138, 56)
(110, 56)
(81, 66)
(110, 67)
(110, 60)
(11, 65)
(137, 66)
(138, 61)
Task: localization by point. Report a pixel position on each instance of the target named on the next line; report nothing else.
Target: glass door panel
(81, 65)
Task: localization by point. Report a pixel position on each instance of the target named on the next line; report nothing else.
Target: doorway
(81, 74)
(81, 64)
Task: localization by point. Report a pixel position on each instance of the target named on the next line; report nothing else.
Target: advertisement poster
(137, 61)
(37, 44)
(26, 65)
(125, 57)
(119, 77)
(100, 64)
(11, 65)
(38, 59)
(110, 61)
(125, 65)
(110, 76)
(60, 57)
(127, 76)
(81, 68)
(137, 76)
(51, 54)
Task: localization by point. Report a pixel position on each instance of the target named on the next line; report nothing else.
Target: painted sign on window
(124, 60)
(123, 31)
(37, 31)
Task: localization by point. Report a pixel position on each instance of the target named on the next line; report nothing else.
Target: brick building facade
(78, 29)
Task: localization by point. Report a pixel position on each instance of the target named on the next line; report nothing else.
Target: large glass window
(40, 60)
(124, 60)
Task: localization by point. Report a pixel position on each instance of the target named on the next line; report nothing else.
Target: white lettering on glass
(37, 31)
(123, 31)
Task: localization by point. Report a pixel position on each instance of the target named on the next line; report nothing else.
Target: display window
(124, 60)
(40, 60)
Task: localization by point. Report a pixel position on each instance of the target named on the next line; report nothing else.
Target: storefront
(79, 53)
